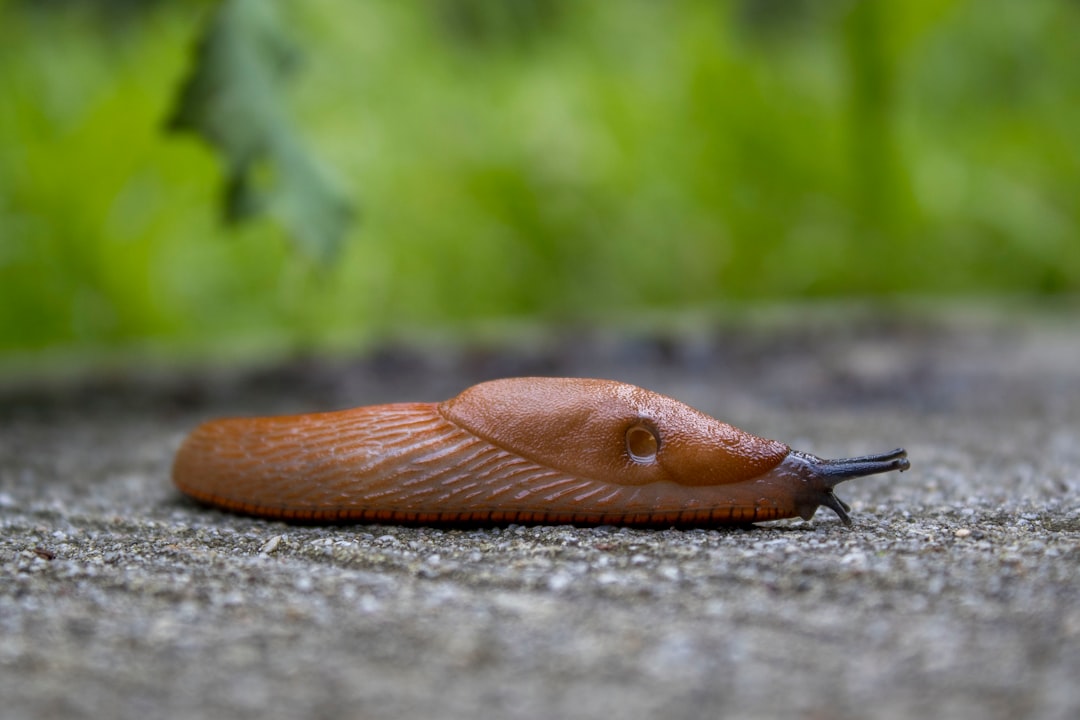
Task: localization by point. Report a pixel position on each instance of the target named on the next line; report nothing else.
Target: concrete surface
(956, 593)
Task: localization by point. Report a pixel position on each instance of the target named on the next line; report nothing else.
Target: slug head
(611, 431)
(813, 479)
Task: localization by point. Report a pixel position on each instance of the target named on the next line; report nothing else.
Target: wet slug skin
(518, 450)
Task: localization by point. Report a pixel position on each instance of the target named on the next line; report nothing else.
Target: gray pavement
(955, 594)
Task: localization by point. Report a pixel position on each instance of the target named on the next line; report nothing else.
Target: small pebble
(270, 545)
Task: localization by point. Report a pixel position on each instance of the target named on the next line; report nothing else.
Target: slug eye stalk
(830, 473)
(843, 469)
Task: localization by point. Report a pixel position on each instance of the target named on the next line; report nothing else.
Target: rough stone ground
(956, 593)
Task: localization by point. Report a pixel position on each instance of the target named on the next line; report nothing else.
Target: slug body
(519, 450)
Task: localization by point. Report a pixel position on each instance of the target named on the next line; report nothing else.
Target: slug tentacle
(843, 469)
(527, 450)
(819, 476)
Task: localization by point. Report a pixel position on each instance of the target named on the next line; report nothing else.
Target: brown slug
(519, 450)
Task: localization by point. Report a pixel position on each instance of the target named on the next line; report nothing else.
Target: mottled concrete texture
(956, 593)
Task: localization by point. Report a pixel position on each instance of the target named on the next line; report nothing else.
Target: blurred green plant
(233, 99)
(572, 161)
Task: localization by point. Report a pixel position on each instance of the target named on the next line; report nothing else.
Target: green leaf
(233, 98)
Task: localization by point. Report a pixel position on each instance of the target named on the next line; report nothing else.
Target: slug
(519, 450)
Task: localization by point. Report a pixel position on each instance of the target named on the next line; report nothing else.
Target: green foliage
(567, 160)
(232, 98)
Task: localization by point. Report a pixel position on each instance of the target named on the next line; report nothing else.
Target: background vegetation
(553, 159)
